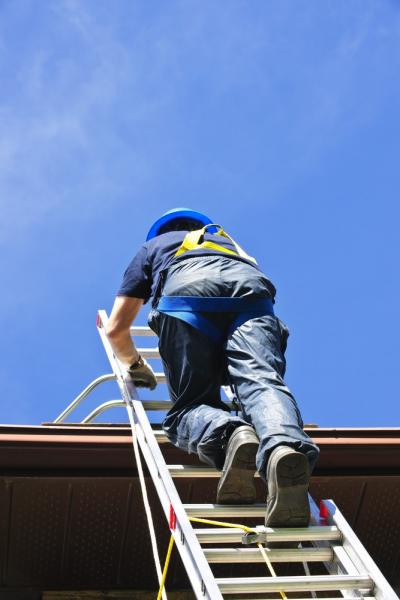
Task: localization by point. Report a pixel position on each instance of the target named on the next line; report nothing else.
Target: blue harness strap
(189, 309)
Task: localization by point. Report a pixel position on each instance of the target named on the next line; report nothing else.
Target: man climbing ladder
(212, 309)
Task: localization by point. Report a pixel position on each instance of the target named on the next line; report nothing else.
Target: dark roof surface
(73, 519)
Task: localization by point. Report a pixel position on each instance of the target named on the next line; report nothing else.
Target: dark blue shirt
(141, 277)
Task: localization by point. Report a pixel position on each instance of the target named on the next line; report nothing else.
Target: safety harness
(192, 242)
(191, 309)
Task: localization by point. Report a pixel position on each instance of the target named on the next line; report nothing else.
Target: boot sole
(237, 482)
(291, 506)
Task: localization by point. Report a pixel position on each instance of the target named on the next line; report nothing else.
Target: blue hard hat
(176, 213)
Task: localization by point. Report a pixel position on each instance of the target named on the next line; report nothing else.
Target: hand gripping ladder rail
(351, 571)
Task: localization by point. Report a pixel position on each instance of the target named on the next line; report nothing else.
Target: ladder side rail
(345, 566)
(133, 405)
(359, 555)
(197, 567)
(103, 408)
(84, 394)
(126, 395)
(182, 532)
(342, 564)
(148, 405)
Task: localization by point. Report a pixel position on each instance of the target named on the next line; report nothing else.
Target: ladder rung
(193, 471)
(253, 555)
(166, 405)
(224, 510)
(336, 598)
(217, 535)
(299, 583)
(160, 436)
(157, 404)
(161, 378)
(149, 352)
(141, 331)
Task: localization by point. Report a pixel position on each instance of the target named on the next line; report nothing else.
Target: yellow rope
(270, 567)
(247, 530)
(222, 524)
(217, 524)
(166, 565)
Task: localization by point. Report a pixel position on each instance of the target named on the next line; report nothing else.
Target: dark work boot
(288, 475)
(236, 485)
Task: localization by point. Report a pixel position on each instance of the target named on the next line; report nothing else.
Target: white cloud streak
(98, 93)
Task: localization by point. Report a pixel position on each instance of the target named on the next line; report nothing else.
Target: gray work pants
(251, 359)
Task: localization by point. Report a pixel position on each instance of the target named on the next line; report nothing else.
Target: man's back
(142, 275)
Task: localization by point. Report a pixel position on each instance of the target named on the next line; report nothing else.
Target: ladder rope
(146, 503)
(217, 524)
(166, 565)
(270, 567)
(246, 530)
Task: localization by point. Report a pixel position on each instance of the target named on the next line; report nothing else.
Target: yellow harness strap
(192, 242)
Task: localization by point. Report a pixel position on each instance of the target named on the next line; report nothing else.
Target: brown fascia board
(53, 447)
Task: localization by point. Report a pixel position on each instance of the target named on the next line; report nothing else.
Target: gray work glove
(142, 374)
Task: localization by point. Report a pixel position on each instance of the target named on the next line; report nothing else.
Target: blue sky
(280, 119)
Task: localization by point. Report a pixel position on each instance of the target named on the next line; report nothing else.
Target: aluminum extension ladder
(330, 540)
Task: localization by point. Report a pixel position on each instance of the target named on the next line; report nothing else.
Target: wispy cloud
(102, 99)
(48, 122)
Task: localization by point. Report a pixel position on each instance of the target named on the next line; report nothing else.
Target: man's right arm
(118, 332)
(123, 313)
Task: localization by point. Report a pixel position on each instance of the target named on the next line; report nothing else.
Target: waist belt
(190, 309)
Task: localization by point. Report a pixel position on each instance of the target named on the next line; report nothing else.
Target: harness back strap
(192, 242)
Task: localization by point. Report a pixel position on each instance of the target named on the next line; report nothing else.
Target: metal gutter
(370, 450)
